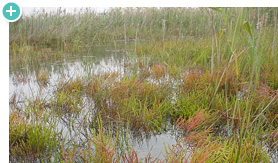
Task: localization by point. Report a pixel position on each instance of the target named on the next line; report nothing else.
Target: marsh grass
(43, 78)
(140, 103)
(30, 141)
(210, 72)
(158, 70)
(226, 152)
(68, 96)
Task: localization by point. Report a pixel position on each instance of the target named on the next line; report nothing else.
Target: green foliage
(226, 111)
(30, 141)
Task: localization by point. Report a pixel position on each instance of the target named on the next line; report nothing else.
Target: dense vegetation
(212, 73)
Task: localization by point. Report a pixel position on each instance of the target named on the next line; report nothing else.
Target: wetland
(144, 85)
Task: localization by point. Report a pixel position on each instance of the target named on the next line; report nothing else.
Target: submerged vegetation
(209, 73)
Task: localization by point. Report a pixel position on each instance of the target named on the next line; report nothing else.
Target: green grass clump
(68, 97)
(43, 78)
(212, 71)
(29, 141)
(140, 103)
(226, 151)
(29, 55)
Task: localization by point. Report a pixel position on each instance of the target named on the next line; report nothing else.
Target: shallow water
(155, 145)
(24, 80)
(23, 83)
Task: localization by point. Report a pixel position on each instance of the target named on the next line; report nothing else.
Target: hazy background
(26, 11)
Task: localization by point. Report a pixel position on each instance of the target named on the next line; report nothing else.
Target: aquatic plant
(209, 72)
(43, 78)
(30, 141)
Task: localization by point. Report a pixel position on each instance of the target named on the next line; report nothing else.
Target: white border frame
(4, 36)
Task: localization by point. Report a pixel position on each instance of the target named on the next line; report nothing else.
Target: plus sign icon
(11, 12)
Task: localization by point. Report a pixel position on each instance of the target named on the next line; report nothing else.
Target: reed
(211, 73)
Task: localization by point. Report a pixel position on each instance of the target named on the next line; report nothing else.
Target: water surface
(23, 83)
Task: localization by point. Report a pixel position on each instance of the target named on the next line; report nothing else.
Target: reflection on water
(155, 145)
(23, 82)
